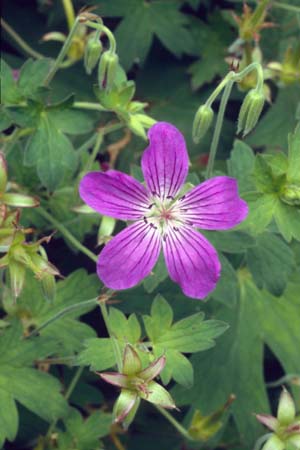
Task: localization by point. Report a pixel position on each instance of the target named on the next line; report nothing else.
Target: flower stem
(104, 29)
(286, 6)
(116, 346)
(69, 12)
(20, 41)
(174, 422)
(66, 233)
(63, 312)
(96, 148)
(63, 52)
(67, 395)
(88, 105)
(218, 127)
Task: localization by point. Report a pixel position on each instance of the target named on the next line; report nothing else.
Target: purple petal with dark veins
(114, 194)
(214, 204)
(130, 256)
(192, 261)
(165, 161)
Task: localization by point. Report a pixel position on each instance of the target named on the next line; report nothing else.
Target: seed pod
(202, 121)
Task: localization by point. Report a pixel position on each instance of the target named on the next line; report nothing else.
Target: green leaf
(84, 434)
(226, 290)
(66, 331)
(263, 175)
(10, 93)
(32, 76)
(287, 219)
(273, 128)
(19, 381)
(260, 213)
(293, 173)
(51, 152)
(127, 330)
(211, 43)
(271, 262)
(189, 335)
(70, 121)
(241, 166)
(230, 241)
(98, 354)
(158, 274)
(159, 18)
(9, 420)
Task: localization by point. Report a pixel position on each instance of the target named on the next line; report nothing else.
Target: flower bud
(291, 195)
(92, 54)
(3, 173)
(107, 69)
(286, 409)
(202, 122)
(274, 443)
(250, 111)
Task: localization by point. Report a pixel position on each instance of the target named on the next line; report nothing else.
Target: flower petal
(165, 161)
(192, 261)
(114, 194)
(130, 256)
(214, 204)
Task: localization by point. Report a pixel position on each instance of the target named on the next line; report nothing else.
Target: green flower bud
(291, 195)
(274, 443)
(286, 409)
(92, 54)
(250, 111)
(107, 69)
(202, 121)
(126, 407)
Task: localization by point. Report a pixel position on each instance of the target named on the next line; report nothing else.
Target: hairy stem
(116, 346)
(286, 6)
(88, 105)
(63, 312)
(218, 127)
(69, 12)
(64, 50)
(66, 233)
(20, 41)
(174, 422)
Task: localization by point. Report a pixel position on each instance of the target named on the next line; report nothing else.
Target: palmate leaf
(189, 335)
(68, 332)
(160, 18)
(84, 434)
(19, 381)
(235, 365)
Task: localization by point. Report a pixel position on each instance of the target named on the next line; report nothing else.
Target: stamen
(145, 219)
(165, 237)
(170, 197)
(151, 206)
(175, 228)
(153, 226)
(182, 198)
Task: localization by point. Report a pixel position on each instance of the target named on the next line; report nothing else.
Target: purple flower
(162, 217)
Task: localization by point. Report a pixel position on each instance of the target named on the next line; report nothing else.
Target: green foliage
(55, 127)
(84, 434)
(189, 335)
(159, 18)
(18, 376)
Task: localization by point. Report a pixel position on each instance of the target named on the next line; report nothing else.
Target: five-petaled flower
(163, 217)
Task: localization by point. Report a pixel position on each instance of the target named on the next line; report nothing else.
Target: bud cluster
(19, 254)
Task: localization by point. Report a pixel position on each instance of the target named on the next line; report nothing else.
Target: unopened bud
(92, 54)
(250, 111)
(291, 195)
(202, 121)
(107, 69)
(274, 443)
(48, 286)
(286, 408)
(17, 277)
(3, 173)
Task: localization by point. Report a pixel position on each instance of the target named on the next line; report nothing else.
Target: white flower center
(164, 214)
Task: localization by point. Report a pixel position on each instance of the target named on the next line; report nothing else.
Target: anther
(175, 228)
(150, 206)
(165, 237)
(182, 198)
(145, 219)
(153, 226)
(170, 196)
